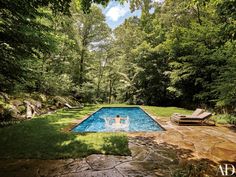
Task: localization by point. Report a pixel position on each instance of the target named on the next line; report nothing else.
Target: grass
(166, 111)
(44, 137)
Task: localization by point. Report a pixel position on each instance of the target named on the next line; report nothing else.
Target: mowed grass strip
(166, 111)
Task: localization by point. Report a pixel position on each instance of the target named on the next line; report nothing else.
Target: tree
(127, 37)
(93, 32)
(24, 38)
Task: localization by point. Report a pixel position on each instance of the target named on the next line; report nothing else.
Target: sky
(116, 13)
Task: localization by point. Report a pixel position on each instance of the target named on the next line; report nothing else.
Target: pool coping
(152, 118)
(83, 119)
(86, 117)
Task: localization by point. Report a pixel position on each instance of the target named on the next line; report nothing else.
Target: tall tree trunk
(100, 77)
(81, 68)
(99, 81)
(110, 91)
(98, 89)
(198, 15)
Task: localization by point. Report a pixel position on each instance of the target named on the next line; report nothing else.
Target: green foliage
(49, 53)
(182, 54)
(93, 33)
(5, 111)
(225, 85)
(24, 38)
(225, 119)
(53, 84)
(125, 70)
(192, 170)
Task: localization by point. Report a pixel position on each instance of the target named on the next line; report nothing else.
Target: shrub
(226, 119)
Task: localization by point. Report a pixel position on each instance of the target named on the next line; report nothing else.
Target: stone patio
(180, 149)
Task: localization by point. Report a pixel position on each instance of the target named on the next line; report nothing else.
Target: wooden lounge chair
(201, 118)
(197, 112)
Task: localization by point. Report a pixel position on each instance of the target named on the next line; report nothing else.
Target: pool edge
(152, 118)
(163, 129)
(83, 119)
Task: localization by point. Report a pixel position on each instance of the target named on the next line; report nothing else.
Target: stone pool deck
(189, 149)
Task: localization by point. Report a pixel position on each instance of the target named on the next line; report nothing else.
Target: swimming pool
(136, 120)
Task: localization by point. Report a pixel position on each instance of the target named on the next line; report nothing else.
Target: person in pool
(118, 119)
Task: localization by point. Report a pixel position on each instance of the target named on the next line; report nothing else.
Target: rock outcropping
(26, 106)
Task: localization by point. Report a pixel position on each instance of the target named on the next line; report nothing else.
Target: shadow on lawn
(38, 138)
(183, 163)
(116, 145)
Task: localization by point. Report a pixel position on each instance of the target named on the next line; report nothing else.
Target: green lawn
(44, 137)
(166, 111)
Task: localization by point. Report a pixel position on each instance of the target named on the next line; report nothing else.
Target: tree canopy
(179, 52)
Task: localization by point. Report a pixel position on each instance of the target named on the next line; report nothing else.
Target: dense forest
(179, 52)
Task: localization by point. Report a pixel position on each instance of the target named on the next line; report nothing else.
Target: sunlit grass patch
(166, 111)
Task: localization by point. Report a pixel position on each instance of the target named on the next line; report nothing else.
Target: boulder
(16, 102)
(8, 112)
(22, 109)
(14, 112)
(52, 108)
(38, 105)
(71, 101)
(59, 101)
(30, 110)
(31, 101)
(4, 97)
(40, 97)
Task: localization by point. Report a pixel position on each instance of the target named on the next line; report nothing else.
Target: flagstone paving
(153, 154)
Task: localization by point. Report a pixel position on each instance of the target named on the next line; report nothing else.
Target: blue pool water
(136, 121)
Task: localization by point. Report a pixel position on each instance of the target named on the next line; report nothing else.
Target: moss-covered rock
(71, 101)
(59, 101)
(39, 97)
(14, 112)
(16, 108)
(39, 105)
(31, 101)
(22, 109)
(8, 112)
(4, 97)
(16, 102)
(52, 108)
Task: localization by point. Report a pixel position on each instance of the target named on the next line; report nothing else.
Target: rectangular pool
(135, 120)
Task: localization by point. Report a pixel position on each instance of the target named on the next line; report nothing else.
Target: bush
(53, 84)
(226, 119)
(200, 169)
(87, 92)
(6, 112)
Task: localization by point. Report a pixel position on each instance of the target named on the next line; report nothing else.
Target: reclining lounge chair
(195, 113)
(201, 118)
